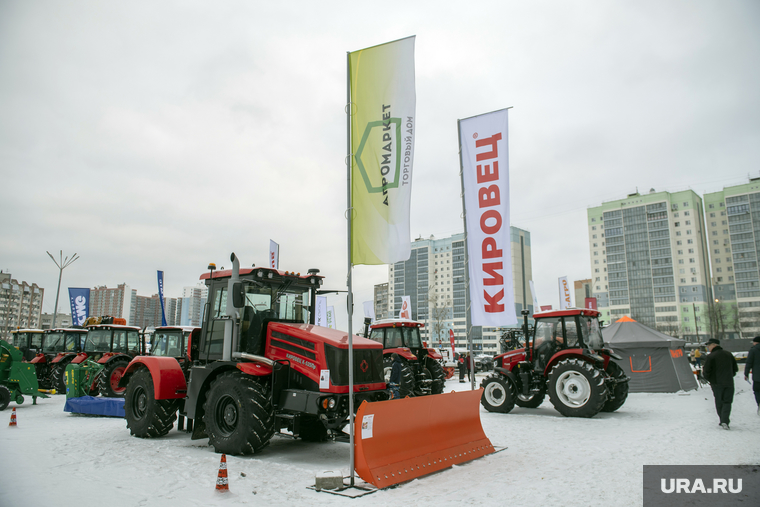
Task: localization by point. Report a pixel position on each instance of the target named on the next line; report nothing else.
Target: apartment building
(649, 260)
(20, 304)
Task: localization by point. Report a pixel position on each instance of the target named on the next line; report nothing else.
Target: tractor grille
(368, 365)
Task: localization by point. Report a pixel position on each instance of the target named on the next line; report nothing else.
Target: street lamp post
(63, 264)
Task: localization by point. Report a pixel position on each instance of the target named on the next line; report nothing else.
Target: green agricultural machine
(17, 378)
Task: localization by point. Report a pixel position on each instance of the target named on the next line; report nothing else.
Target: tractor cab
(261, 295)
(560, 331)
(28, 341)
(58, 341)
(174, 341)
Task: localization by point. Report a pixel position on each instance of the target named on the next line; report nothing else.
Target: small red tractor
(59, 347)
(565, 357)
(109, 347)
(173, 341)
(421, 371)
(260, 365)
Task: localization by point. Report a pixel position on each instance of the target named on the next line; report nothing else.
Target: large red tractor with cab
(260, 365)
(421, 371)
(59, 348)
(566, 358)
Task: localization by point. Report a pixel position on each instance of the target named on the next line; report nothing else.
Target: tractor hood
(310, 332)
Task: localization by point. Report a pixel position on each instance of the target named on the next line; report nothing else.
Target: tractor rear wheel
(238, 414)
(5, 397)
(406, 386)
(498, 394)
(439, 377)
(533, 400)
(146, 416)
(108, 380)
(620, 391)
(577, 389)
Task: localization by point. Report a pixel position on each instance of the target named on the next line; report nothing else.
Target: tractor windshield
(168, 343)
(54, 342)
(98, 340)
(591, 333)
(281, 303)
(36, 342)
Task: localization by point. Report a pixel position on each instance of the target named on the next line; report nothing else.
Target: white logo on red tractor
(300, 361)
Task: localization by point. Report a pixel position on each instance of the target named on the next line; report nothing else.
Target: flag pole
(350, 297)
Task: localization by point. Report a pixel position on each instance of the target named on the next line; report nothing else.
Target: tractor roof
(568, 312)
(113, 326)
(264, 273)
(189, 329)
(395, 323)
(27, 331)
(66, 330)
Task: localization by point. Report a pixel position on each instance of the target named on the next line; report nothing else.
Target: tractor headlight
(328, 403)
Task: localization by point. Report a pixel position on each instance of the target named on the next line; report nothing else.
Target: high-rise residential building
(147, 311)
(434, 279)
(732, 217)
(191, 306)
(20, 305)
(382, 309)
(649, 260)
(119, 302)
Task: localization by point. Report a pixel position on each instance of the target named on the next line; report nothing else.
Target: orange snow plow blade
(400, 440)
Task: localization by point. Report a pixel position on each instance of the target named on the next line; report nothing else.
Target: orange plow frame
(399, 440)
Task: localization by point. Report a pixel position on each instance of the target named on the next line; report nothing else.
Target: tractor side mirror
(238, 295)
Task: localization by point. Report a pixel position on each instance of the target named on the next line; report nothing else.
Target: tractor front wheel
(5, 397)
(439, 377)
(238, 414)
(577, 389)
(146, 416)
(620, 389)
(533, 400)
(498, 394)
(58, 377)
(108, 381)
(406, 386)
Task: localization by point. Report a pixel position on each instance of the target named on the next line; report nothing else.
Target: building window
(678, 242)
(725, 231)
(680, 261)
(728, 250)
(723, 222)
(689, 241)
(683, 280)
(593, 219)
(688, 222)
(719, 270)
(688, 232)
(596, 262)
(694, 279)
(680, 252)
(678, 224)
(711, 206)
(594, 236)
(678, 233)
(595, 245)
(717, 259)
(715, 242)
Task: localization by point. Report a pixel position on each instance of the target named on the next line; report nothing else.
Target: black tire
(58, 377)
(533, 400)
(146, 416)
(498, 394)
(238, 414)
(42, 370)
(620, 389)
(439, 377)
(108, 379)
(577, 389)
(423, 383)
(406, 386)
(311, 429)
(5, 397)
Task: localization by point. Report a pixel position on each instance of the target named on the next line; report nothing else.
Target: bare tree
(440, 312)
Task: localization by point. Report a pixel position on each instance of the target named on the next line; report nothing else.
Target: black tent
(655, 362)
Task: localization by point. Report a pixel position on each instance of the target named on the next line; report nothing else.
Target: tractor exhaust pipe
(231, 312)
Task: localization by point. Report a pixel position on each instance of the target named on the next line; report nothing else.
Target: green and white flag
(381, 80)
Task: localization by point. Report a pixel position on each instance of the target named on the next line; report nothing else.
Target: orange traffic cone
(221, 480)
(13, 418)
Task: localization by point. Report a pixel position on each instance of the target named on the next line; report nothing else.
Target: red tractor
(173, 341)
(565, 357)
(260, 365)
(421, 371)
(59, 348)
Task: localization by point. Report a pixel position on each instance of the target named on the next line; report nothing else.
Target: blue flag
(161, 296)
(80, 305)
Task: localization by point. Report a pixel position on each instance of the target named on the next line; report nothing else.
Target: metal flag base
(359, 489)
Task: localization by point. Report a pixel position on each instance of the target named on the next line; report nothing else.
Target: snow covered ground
(55, 458)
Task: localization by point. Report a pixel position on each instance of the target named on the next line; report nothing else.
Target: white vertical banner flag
(331, 317)
(321, 311)
(369, 310)
(535, 296)
(485, 184)
(406, 308)
(274, 255)
(564, 293)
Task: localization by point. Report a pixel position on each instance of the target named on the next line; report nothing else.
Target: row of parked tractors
(259, 365)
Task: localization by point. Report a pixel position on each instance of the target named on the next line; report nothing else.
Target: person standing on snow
(753, 366)
(461, 368)
(698, 358)
(395, 379)
(720, 368)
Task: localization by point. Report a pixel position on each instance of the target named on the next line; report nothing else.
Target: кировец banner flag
(274, 255)
(161, 296)
(80, 305)
(383, 100)
(485, 184)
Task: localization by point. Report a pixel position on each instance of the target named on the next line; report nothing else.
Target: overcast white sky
(165, 135)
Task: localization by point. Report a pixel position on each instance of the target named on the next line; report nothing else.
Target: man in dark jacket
(720, 368)
(753, 366)
(395, 379)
